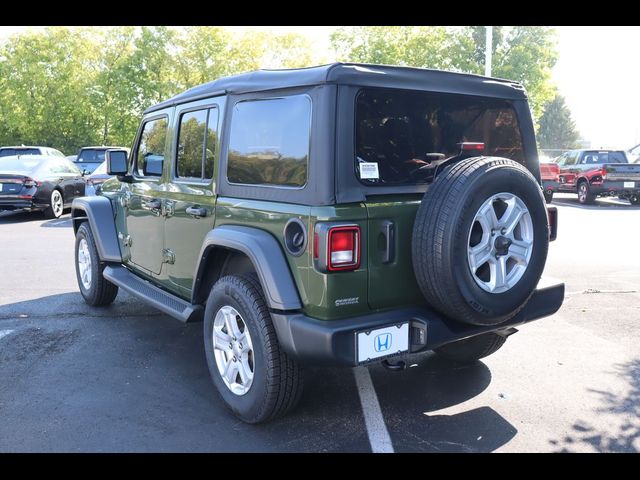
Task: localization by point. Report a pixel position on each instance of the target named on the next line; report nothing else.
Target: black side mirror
(85, 172)
(118, 164)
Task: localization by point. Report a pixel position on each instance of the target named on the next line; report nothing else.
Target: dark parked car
(96, 179)
(29, 150)
(598, 173)
(35, 182)
(335, 215)
(90, 158)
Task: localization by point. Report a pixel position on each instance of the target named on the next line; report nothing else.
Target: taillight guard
(337, 247)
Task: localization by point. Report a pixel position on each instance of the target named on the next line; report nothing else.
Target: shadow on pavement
(127, 379)
(407, 399)
(61, 222)
(627, 407)
(18, 216)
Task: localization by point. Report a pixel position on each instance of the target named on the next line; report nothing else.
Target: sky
(598, 72)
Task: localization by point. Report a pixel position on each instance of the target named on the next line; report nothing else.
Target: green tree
(522, 53)
(557, 128)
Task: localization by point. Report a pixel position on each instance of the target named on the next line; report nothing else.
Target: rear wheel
(480, 240)
(471, 349)
(254, 377)
(56, 205)
(634, 200)
(585, 196)
(95, 289)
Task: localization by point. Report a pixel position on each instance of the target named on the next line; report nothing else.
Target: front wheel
(471, 349)
(95, 289)
(634, 200)
(254, 377)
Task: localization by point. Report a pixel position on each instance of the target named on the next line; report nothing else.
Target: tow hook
(395, 367)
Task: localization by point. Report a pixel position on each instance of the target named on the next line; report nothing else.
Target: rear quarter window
(269, 142)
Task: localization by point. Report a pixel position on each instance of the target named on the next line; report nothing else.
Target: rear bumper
(16, 203)
(615, 187)
(333, 342)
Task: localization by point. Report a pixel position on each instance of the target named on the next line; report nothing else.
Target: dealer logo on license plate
(382, 342)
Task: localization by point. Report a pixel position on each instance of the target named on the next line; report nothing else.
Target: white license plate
(629, 184)
(382, 342)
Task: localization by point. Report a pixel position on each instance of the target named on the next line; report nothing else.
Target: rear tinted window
(6, 152)
(595, 157)
(93, 156)
(20, 165)
(401, 131)
(269, 141)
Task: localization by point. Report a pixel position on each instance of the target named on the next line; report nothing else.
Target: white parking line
(376, 429)
(4, 333)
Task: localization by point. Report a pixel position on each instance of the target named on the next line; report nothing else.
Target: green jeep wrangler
(335, 215)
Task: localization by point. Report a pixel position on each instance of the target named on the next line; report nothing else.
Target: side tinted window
(571, 158)
(269, 141)
(197, 142)
(87, 156)
(151, 150)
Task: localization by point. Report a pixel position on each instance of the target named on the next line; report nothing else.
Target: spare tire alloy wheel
(480, 240)
(500, 242)
(233, 350)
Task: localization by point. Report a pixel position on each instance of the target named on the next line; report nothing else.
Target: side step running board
(154, 296)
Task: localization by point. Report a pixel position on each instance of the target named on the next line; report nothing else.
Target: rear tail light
(344, 253)
(30, 182)
(471, 147)
(336, 247)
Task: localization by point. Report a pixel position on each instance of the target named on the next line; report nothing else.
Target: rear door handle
(197, 212)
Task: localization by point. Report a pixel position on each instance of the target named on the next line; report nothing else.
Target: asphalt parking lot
(126, 378)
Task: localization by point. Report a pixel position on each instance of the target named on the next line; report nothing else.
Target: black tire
(277, 379)
(51, 212)
(441, 239)
(548, 196)
(585, 197)
(634, 200)
(101, 292)
(471, 349)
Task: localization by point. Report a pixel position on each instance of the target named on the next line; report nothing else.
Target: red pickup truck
(592, 173)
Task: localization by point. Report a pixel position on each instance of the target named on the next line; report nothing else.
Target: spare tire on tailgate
(480, 240)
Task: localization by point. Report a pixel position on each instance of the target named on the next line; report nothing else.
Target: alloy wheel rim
(233, 350)
(500, 243)
(56, 203)
(84, 263)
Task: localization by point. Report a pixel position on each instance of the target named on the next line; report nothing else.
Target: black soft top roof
(353, 74)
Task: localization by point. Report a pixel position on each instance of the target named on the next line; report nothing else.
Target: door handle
(389, 232)
(153, 205)
(197, 212)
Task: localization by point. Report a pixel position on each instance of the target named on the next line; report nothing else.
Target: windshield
(20, 165)
(400, 131)
(7, 152)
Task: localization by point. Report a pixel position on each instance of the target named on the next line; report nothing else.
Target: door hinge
(168, 256)
(125, 239)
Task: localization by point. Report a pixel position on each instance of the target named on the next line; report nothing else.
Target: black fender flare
(265, 254)
(99, 212)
